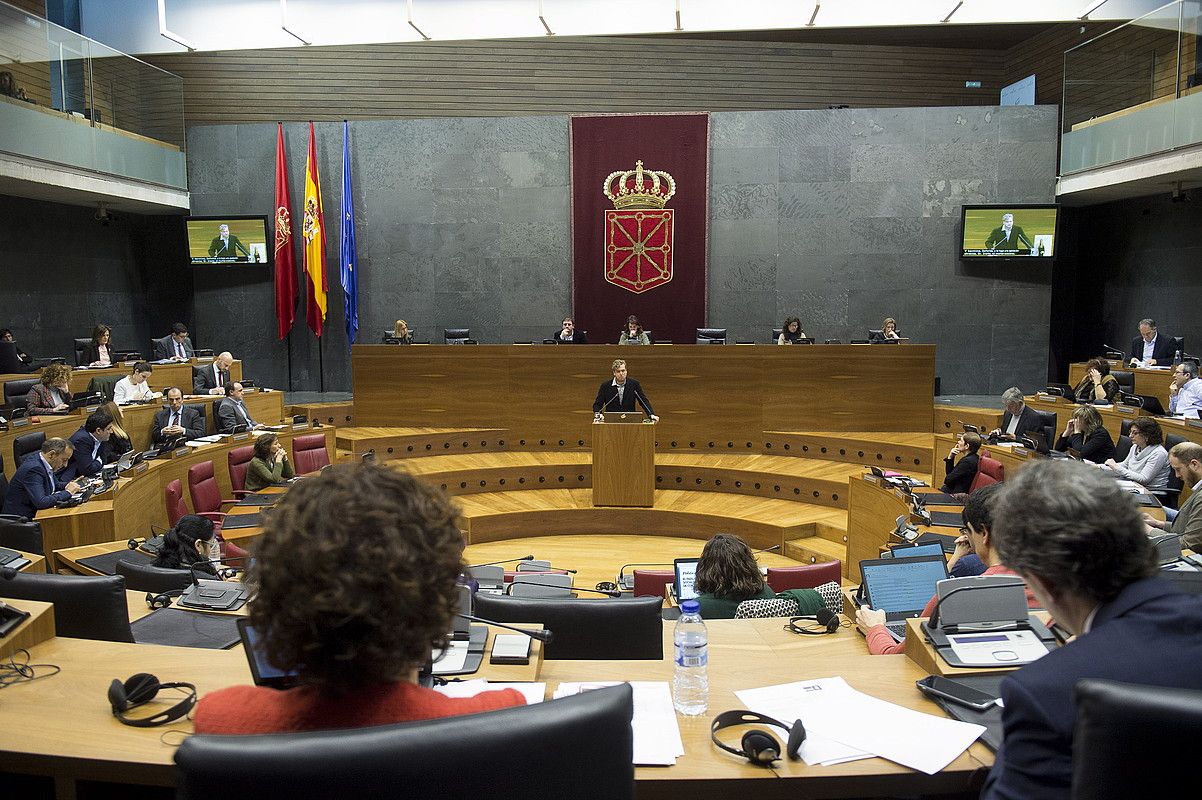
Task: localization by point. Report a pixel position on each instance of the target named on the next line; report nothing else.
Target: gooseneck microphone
(766, 550)
(502, 561)
(606, 592)
(543, 635)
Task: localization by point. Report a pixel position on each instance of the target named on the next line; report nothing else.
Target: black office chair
(1047, 421)
(776, 332)
(10, 362)
(456, 335)
(1125, 378)
(25, 444)
(16, 393)
(1122, 447)
(81, 345)
(582, 745)
(1121, 724)
(147, 578)
(1178, 343)
(1125, 427)
(85, 607)
(21, 534)
(1172, 494)
(3, 479)
(630, 628)
(711, 336)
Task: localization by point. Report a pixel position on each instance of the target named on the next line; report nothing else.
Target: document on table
(834, 715)
(657, 741)
(533, 692)
(453, 658)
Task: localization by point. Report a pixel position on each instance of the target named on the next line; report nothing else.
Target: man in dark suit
(620, 394)
(1078, 540)
(568, 333)
(1019, 419)
(213, 378)
(226, 245)
(90, 445)
(1150, 347)
(177, 419)
(34, 485)
(176, 345)
(1008, 237)
(233, 411)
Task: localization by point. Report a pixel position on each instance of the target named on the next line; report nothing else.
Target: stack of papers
(657, 740)
(533, 692)
(843, 724)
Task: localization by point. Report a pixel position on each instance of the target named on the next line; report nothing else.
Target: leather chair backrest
(705, 335)
(456, 335)
(630, 628)
(804, 577)
(104, 384)
(1048, 420)
(1125, 426)
(1125, 379)
(583, 746)
(238, 461)
(10, 362)
(3, 481)
(989, 470)
(1178, 343)
(25, 444)
(149, 578)
(80, 346)
(85, 606)
(21, 534)
(203, 488)
(776, 332)
(653, 582)
(309, 453)
(173, 497)
(1122, 447)
(1171, 440)
(1122, 724)
(16, 393)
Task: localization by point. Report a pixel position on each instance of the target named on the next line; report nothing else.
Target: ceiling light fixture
(953, 11)
(814, 16)
(284, 24)
(542, 18)
(678, 26)
(166, 34)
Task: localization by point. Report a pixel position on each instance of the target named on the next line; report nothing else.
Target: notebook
(901, 587)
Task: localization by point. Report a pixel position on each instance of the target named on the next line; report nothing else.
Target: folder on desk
(237, 521)
(169, 626)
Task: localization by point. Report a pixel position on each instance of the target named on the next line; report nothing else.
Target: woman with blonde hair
(401, 331)
(1086, 435)
(51, 395)
(119, 442)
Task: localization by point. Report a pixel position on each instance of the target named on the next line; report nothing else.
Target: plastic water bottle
(690, 680)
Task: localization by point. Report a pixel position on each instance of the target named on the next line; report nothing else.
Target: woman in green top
(727, 574)
(634, 333)
(270, 464)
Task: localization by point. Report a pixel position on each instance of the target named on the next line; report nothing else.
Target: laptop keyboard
(897, 628)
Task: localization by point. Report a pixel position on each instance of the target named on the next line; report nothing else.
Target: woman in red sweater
(355, 582)
(978, 520)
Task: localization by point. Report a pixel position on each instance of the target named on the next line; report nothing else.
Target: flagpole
(321, 362)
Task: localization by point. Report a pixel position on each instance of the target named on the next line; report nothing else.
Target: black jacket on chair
(607, 395)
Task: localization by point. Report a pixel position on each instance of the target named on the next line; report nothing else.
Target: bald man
(212, 378)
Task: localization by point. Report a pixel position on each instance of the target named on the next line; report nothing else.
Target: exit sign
(972, 84)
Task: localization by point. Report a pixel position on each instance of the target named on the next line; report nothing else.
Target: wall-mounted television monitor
(1015, 231)
(237, 240)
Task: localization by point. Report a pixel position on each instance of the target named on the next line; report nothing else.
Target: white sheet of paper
(829, 706)
(533, 692)
(453, 661)
(779, 702)
(657, 739)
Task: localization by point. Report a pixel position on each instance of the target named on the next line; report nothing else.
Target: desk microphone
(605, 405)
(622, 580)
(606, 592)
(766, 550)
(639, 396)
(502, 561)
(221, 573)
(543, 635)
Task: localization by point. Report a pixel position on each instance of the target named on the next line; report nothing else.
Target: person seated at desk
(625, 391)
(1019, 419)
(975, 539)
(568, 334)
(176, 419)
(1147, 462)
(728, 574)
(135, 387)
(401, 331)
(1098, 383)
(791, 332)
(90, 444)
(1078, 541)
(1185, 392)
(213, 378)
(175, 346)
(1150, 349)
(51, 395)
(100, 352)
(355, 576)
(889, 329)
(959, 476)
(35, 485)
(119, 442)
(233, 411)
(193, 540)
(6, 335)
(634, 333)
(1186, 460)
(1086, 434)
(270, 464)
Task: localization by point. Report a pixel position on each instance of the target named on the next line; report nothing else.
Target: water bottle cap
(690, 607)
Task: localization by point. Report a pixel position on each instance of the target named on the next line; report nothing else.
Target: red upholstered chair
(203, 488)
(173, 495)
(989, 470)
(806, 576)
(309, 453)
(652, 582)
(238, 460)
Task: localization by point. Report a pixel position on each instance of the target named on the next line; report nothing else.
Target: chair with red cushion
(806, 576)
(652, 582)
(238, 460)
(173, 495)
(309, 453)
(203, 488)
(989, 470)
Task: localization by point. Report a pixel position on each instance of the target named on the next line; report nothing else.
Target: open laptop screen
(263, 671)
(686, 574)
(902, 585)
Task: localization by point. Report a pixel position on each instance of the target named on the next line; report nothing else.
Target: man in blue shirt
(34, 485)
(1185, 392)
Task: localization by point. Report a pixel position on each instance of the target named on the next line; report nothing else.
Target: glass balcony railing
(66, 99)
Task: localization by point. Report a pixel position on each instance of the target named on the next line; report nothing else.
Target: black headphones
(828, 622)
(163, 599)
(141, 689)
(758, 746)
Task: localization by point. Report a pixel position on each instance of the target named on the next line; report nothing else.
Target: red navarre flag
(285, 260)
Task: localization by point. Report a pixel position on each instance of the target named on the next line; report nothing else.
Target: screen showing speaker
(237, 240)
(1016, 231)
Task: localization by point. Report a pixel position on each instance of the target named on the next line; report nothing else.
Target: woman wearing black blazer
(960, 473)
(100, 352)
(1086, 434)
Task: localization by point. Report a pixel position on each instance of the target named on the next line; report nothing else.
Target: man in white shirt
(1185, 392)
(134, 388)
(1018, 419)
(1150, 349)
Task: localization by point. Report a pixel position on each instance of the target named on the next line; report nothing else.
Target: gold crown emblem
(630, 189)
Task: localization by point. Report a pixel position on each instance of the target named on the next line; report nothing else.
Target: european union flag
(348, 258)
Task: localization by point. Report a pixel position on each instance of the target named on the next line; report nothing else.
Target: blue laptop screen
(903, 584)
(920, 550)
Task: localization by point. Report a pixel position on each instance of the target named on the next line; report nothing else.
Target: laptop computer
(262, 671)
(1147, 402)
(901, 587)
(913, 550)
(686, 575)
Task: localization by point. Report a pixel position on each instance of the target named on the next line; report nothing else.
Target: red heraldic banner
(640, 210)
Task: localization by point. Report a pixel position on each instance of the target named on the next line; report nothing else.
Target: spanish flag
(314, 232)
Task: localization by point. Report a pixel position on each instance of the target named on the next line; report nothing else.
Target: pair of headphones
(163, 599)
(141, 689)
(758, 746)
(828, 622)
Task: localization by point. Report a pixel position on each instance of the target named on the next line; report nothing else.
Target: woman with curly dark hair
(51, 395)
(728, 574)
(790, 331)
(354, 582)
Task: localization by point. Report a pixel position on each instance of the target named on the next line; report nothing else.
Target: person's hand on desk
(73, 487)
(1155, 524)
(60, 408)
(217, 390)
(654, 418)
(1110, 462)
(868, 618)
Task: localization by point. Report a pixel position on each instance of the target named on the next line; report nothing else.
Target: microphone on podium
(543, 635)
(502, 561)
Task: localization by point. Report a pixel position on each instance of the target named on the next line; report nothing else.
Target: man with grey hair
(1078, 540)
(1150, 349)
(1019, 420)
(1186, 460)
(35, 485)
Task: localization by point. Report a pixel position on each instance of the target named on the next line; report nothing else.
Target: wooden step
(815, 550)
(900, 451)
(339, 413)
(947, 419)
(394, 442)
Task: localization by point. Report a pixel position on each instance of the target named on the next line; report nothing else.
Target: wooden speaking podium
(624, 462)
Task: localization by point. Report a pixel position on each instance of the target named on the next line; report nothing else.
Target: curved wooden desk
(164, 375)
